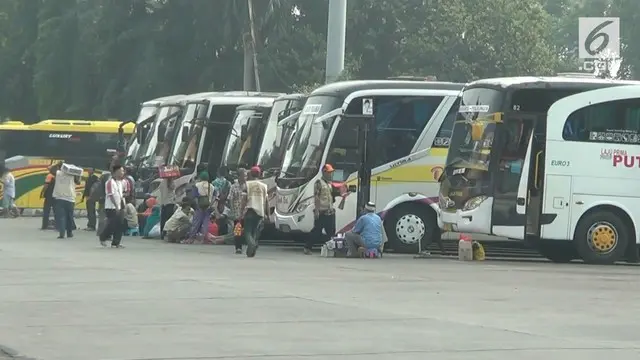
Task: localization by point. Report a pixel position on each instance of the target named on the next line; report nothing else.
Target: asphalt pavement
(73, 300)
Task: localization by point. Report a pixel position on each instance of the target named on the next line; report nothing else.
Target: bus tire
(557, 251)
(408, 225)
(601, 237)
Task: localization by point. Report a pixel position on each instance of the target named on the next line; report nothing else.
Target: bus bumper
(477, 220)
(298, 222)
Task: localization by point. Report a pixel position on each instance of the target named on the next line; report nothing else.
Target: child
(130, 216)
(178, 226)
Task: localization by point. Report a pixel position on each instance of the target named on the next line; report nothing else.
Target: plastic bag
(155, 231)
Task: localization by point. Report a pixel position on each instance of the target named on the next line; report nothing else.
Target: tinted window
(399, 123)
(539, 100)
(615, 121)
(443, 137)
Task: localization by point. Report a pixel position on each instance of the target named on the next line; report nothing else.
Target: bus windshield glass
(154, 152)
(271, 153)
(183, 153)
(238, 150)
(146, 112)
(301, 160)
(475, 129)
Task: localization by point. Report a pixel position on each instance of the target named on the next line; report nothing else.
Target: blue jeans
(63, 213)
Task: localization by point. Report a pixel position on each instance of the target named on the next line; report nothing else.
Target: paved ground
(71, 300)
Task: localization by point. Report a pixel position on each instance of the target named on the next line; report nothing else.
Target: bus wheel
(557, 251)
(601, 238)
(408, 225)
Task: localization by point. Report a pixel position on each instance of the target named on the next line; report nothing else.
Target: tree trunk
(253, 43)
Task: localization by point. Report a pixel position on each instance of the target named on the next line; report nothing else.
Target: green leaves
(101, 58)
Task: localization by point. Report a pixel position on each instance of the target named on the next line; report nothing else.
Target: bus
(202, 132)
(34, 148)
(500, 131)
(413, 121)
(254, 137)
(143, 123)
(155, 138)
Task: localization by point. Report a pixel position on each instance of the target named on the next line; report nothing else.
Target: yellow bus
(29, 150)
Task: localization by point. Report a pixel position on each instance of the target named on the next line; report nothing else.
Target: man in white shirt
(64, 198)
(257, 210)
(114, 206)
(9, 192)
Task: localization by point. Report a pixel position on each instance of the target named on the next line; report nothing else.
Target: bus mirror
(315, 137)
(477, 129)
(185, 134)
(278, 136)
(244, 132)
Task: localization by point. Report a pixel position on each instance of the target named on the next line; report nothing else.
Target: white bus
(413, 125)
(202, 132)
(144, 121)
(262, 135)
(513, 170)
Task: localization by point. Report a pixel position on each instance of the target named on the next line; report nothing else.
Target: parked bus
(34, 148)
(202, 132)
(254, 138)
(487, 186)
(413, 121)
(144, 121)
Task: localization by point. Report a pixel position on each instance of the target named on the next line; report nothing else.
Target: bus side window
(443, 137)
(608, 120)
(399, 123)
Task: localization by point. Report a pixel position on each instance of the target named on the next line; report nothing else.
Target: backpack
(202, 200)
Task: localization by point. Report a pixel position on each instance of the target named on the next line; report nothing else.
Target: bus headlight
(303, 205)
(473, 203)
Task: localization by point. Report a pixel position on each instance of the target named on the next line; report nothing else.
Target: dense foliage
(101, 58)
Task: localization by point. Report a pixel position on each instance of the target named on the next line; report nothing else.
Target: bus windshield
(239, 151)
(154, 152)
(146, 112)
(301, 160)
(474, 129)
(183, 153)
(271, 153)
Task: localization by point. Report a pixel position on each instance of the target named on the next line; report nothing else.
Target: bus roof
(344, 88)
(291, 97)
(13, 125)
(233, 97)
(82, 126)
(256, 106)
(565, 82)
(160, 100)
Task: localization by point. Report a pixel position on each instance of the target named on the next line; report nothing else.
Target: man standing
(9, 192)
(64, 195)
(257, 210)
(47, 195)
(89, 200)
(237, 204)
(323, 213)
(167, 200)
(114, 208)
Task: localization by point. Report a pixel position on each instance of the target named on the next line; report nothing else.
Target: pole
(252, 28)
(248, 76)
(336, 37)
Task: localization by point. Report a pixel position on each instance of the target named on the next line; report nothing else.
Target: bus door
(529, 202)
(365, 138)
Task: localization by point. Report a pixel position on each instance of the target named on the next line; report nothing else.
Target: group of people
(240, 208)
(214, 208)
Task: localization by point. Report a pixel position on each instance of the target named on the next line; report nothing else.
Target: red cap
(327, 168)
(256, 170)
